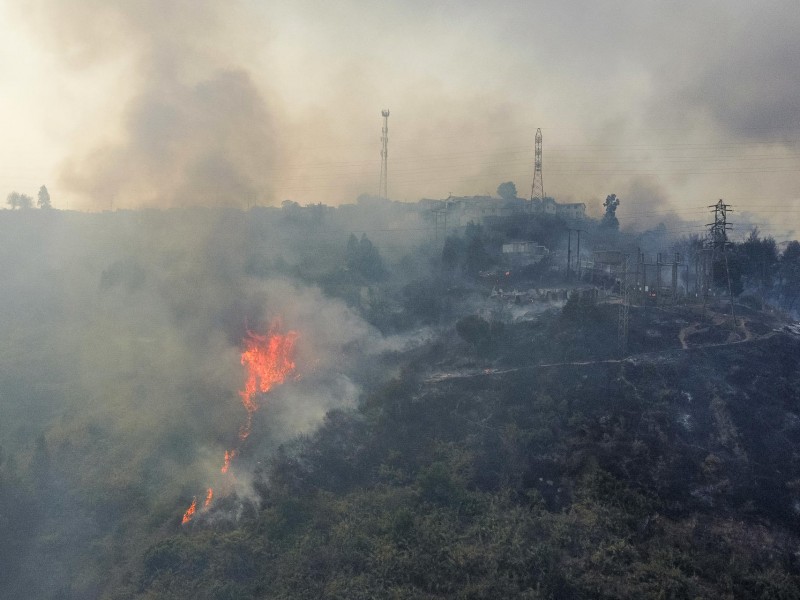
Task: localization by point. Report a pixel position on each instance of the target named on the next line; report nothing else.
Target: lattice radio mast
(537, 187)
(383, 186)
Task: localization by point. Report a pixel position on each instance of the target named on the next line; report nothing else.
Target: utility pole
(675, 277)
(383, 185)
(440, 211)
(569, 252)
(645, 287)
(658, 278)
(697, 274)
(624, 308)
(687, 279)
(706, 251)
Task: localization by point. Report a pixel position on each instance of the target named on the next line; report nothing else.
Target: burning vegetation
(268, 360)
(464, 427)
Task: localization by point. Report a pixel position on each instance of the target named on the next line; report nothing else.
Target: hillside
(663, 476)
(426, 440)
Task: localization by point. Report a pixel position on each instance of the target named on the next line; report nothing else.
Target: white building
(548, 206)
(572, 210)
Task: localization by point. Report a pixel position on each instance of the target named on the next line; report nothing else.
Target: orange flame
(269, 360)
(229, 454)
(187, 516)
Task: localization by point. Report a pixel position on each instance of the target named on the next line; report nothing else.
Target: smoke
(194, 128)
(207, 144)
(646, 204)
(743, 85)
(122, 338)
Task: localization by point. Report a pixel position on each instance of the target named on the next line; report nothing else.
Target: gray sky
(670, 105)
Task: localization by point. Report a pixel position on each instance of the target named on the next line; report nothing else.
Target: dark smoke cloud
(744, 85)
(205, 144)
(645, 203)
(751, 94)
(195, 127)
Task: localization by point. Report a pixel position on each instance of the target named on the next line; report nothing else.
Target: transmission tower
(383, 186)
(718, 243)
(718, 232)
(537, 187)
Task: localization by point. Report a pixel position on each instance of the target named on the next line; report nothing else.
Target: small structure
(608, 261)
(572, 210)
(521, 254)
(548, 206)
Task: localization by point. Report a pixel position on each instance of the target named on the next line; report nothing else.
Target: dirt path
(632, 358)
(718, 321)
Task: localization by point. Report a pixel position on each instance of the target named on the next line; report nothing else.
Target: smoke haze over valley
(133, 104)
(233, 366)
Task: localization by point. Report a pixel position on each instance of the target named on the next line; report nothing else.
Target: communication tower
(537, 187)
(383, 186)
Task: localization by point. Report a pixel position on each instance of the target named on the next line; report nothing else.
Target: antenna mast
(383, 186)
(537, 187)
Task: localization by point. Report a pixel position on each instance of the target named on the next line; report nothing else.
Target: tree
(17, 200)
(291, 211)
(790, 274)
(453, 252)
(759, 258)
(507, 190)
(363, 257)
(476, 256)
(44, 198)
(609, 220)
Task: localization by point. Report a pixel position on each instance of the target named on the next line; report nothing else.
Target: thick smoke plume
(127, 331)
(195, 128)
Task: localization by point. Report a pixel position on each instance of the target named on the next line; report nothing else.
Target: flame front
(229, 454)
(187, 516)
(269, 360)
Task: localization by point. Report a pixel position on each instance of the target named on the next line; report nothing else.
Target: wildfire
(269, 360)
(229, 454)
(187, 516)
